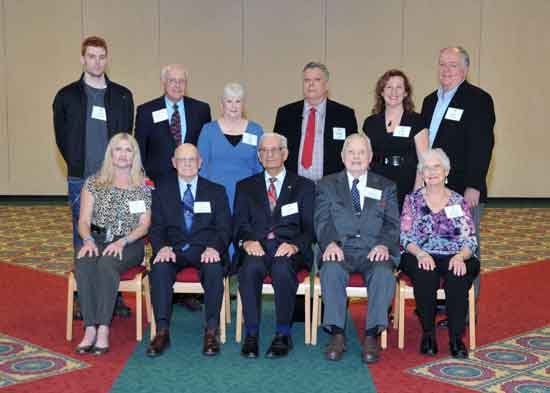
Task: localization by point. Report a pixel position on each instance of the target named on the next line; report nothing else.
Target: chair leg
(227, 299)
(401, 322)
(316, 313)
(139, 307)
(384, 339)
(307, 312)
(70, 305)
(472, 316)
(239, 319)
(222, 315)
(153, 325)
(396, 307)
(147, 295)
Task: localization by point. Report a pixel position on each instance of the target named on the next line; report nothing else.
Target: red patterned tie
(175, 125)
(272, 194)
(309, 140)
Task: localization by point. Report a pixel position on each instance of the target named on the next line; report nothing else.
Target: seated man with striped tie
(357, 227)
(273, 235)
(191, 227)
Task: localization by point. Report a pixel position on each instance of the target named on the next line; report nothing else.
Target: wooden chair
(356, 288)
(134, 280)
(304, 288)
(188, 281)
(405, 291)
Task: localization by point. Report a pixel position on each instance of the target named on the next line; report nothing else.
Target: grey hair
(360, 136)
(462, 52)
(321, 66)
(233, 89)
(282, 139)
(170, 67)
(439, 153)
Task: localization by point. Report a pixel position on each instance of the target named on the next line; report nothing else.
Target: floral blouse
(112, 206)
(443, 233)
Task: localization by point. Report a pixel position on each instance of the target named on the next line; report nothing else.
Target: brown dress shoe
(159, 343)
(336, 347)
(211, 345)
(371, 350)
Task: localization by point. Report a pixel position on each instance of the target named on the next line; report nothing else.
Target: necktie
(187, 204)
(272, 194)
(175, 125)
(355, 198)
(309, 140)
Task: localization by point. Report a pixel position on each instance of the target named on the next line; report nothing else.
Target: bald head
(187, 161)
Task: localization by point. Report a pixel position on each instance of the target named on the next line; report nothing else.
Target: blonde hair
(105, 177)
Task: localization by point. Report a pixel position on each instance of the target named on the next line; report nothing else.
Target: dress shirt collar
(183, 186)
(362, 180)
(279, 183)
(321, 108)
(448, 96)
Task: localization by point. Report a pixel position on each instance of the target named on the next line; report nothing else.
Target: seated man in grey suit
(356, 221)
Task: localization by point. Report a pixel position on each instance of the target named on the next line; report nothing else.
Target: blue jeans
(74, 185)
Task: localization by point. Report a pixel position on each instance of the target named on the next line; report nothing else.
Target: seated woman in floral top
(438, 239)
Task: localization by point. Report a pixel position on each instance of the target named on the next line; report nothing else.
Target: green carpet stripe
(183, 368)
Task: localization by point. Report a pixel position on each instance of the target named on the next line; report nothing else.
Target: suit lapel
(343, 190)
(163, 126)
(189, 119)
(261, 195)
(456, 102)
(176, 198)
(369, 204)
(286, 191)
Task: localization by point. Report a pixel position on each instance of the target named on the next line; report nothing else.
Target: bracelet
(88, 238)
(422, 254)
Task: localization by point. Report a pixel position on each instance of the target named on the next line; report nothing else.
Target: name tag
(250, 139)
(202, 207)
(289, 208)
(338, 133)
(160, 115)
(136, 206)
(98, 113)
(402, 131)
(372, 193)
(454, 114)
(454, 211)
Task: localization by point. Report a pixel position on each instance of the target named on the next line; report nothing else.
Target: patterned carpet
(21, 361)
(39, 237)
(520, 364)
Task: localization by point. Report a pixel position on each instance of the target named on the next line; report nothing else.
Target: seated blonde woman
(438, 236)
(115, 213)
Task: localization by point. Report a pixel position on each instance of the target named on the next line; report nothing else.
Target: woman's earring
(446, 180)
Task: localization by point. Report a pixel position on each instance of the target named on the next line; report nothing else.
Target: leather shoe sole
(97, 351)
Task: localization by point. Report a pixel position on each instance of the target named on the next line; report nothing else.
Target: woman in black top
(398, 134)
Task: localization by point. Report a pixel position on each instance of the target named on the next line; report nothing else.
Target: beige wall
(264, 44)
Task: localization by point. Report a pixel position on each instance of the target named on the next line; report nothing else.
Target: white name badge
(136, 206)
(338, 133)
(289, 208)
(160, 115)
(372, 193)
(98, 113)
(402, 131)
(454, 114)
(250, 139)
(454, 211)
(202, 207)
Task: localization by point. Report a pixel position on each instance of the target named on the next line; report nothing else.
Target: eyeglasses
(432, 168)
(275, 150)
(176, 82)
(186, 160)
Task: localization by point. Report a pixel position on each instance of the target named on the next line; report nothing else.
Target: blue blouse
(224, 163)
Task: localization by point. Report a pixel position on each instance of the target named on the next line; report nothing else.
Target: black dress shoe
(371, 350)
(121, 309)
(458, 349)
(280, 346)
(159, 343)
(428, 345)
(250, 347)
(190, 302)
(336, 347)
(211, 345)
(98, 351)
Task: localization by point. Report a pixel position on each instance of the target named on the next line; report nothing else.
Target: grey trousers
(380, 281)
(97, 279)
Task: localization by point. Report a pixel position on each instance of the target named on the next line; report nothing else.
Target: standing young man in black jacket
(86, 114)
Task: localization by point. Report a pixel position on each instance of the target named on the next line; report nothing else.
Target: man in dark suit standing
(357, 227)
(191, 226)
(462, 118)
(315, 127)
(168, 121)
(273, 235)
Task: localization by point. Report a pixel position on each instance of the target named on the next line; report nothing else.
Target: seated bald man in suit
(191, 226)
(273, 234)
(357, 227)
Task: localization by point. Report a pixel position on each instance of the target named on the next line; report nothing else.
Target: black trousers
(253, 270)
(426, 283)
(163, 276)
